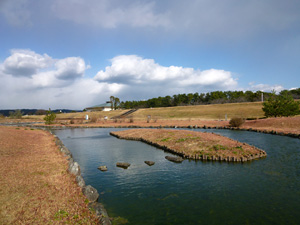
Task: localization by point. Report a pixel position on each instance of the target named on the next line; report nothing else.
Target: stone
(102, 168)
(150, 163)
(123, 165)
(90, 193)
(174, 159)
(66, 151)
(80, 181)
(101, 212)
(74, 168)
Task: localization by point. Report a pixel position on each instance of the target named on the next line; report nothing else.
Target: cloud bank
(32, 80)
(144, 77)
(203, 19)
(109, 14)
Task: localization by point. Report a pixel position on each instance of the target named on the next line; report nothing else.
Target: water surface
(265, 191)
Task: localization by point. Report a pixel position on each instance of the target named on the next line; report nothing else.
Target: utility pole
(262, 97)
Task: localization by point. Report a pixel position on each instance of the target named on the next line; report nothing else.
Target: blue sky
(75, 53)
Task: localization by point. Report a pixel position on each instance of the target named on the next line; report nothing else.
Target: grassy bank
(204, 112)
(35, 187)
(200, 112)
(194, 145)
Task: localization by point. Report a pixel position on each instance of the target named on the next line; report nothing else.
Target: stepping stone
(123, 165)
(102, 168)
(174, 159)
(150, 163)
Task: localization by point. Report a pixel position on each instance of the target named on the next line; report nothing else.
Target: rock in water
(123, 165)
(174, 159)
(74, 168)
(102, 168)
(150, 163)
(80, 181)
(90, 193)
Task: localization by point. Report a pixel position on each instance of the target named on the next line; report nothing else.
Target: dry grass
(35, 187)
(281, 124)
(204, 112)
(191, 143)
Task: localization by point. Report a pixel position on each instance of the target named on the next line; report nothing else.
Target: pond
(264, 191)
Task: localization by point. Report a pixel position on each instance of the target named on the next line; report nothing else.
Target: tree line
(215, 97)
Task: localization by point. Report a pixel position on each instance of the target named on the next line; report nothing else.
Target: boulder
(102, 168)
(90, 193)
(80, 181)
(123, 165)
(74, 168)
(150, 163)
(101, 212)
(174, 159)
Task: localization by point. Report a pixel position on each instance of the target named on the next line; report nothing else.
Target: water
(266, 191)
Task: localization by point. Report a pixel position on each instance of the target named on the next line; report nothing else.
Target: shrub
(93, 119)
(281, 105)
(131, 120)
(16, 114)
(236, 122)
(50, 117)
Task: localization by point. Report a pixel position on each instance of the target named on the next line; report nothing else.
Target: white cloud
(135, 71)
(25, 62)
(60, 83)
(265, 87)
(31, 80)
(70, 68)
(108, 13)
(42, 70)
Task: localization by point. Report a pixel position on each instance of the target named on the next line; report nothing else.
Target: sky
(73, 54)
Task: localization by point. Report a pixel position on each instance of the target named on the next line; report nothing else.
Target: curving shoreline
(265, 131)
(88, 190)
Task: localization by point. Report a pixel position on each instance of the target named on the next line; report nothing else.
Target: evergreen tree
(50, 117)
(281, 105)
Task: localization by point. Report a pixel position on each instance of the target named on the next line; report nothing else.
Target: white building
(102, 107)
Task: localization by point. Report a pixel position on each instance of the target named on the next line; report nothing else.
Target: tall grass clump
(93, 119)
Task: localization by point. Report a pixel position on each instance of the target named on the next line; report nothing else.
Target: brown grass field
(35, 187)
(198, 112)
(209, 115)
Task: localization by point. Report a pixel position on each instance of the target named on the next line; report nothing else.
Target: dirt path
(35, 187)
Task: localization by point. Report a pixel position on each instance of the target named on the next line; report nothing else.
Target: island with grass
(194, 145)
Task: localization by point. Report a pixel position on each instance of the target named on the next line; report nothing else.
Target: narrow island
(194, 145)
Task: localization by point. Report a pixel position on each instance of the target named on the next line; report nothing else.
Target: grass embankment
(204, 112)
(199, 112)
(35, 187)
(182, 116)
(194, 145)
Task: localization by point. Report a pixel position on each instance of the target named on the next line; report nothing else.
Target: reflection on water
(265, 191)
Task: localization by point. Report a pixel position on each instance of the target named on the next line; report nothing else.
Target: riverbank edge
(273, 131)
(262, 154)
(96, 206)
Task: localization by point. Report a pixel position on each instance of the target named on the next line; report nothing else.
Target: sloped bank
(273, 131)
(89, 192)
(194, 145)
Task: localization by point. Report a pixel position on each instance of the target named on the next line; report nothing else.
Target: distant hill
(5, 112)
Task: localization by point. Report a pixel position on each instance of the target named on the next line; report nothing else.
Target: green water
(266, 191)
